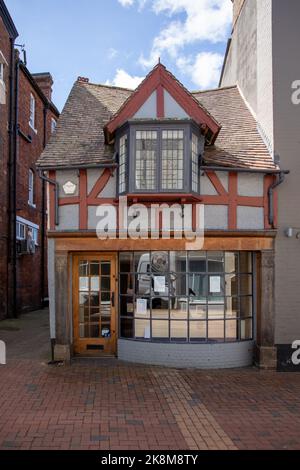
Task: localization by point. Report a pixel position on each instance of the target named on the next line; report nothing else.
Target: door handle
(112, 299)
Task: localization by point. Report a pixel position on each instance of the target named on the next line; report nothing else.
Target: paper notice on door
(141, 306)
(215, 284)
(159, 284)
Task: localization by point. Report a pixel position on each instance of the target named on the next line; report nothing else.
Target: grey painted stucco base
(200, 356)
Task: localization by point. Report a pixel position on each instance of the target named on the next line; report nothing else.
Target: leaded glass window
(146, 160)
(195, 167)
(122, 164)
(172, 159)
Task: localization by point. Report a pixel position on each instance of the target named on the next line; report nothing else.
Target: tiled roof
(79, 136)
(239, 143)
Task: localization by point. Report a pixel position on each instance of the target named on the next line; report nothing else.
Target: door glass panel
(94, 299)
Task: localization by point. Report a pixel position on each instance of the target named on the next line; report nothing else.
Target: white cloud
(125, 80)
(204, 70)
(112, 53)
(126, 3)
(205, 20)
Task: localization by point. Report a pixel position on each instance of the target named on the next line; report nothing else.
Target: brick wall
(29, 288)
(4, 142)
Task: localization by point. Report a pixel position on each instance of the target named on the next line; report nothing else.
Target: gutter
(79, 167)
(56, 189)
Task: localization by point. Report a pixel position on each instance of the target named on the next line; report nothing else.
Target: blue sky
(119, 41)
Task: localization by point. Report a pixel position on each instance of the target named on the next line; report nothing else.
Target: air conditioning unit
(26, 246)
(22, 248)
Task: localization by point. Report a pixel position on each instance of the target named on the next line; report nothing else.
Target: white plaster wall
(93, 174)
(69, 217)
(206, 187)
(172, 108)
(250, 218)
(148, 109)
(250, 184)
(216, 217)
(110, 189)
(63, 176)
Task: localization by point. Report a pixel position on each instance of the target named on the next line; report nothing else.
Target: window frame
(130, 128)
(53, 125)
(2, 67)
(32, 112)
(31, 189)
(239, 318)
(18, 231)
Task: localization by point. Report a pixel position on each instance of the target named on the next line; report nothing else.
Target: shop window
(186, 296)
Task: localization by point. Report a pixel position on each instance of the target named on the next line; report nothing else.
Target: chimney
(45, 82)
(237, 8)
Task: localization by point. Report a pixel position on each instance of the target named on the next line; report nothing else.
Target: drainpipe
(56, 190)
(13, 189)
(43, 222)
(279, 180)
(10, 165)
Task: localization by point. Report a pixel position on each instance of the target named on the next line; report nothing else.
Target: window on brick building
(31, 188)
(20, 231)
(53, 125)
(32, 112)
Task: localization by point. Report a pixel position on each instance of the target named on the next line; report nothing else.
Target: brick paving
(109, 405)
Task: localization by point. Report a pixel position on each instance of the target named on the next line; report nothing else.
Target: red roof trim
(160, 78)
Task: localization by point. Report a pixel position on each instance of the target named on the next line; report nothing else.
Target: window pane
(160, 329)
(216, 330)
(159, 262)
(126, 306)
(245, 262)
(232, 307)
(198, 330)
(95, 283)
(216, 310)
(246, 329)
(142, 329)
(83, 268)
(126, 328)
(126, 262)
(94, 268)
(197, 261)
(160, 307)
(146, 160)
(198, 310)
(179, 308)
(84, 284)
(245, 284)
(215, 261)
(172, 160)
(122, 163)
(142, 262)
(231, 262)
(178, 261)
(178, 284)
(195, 164)
(142, 308)
(127, 284)
(231, 286)
(246, 306)
(197, 286)
(179, 330)
(231, 330)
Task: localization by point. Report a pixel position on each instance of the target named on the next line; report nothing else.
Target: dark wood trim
(52, 189)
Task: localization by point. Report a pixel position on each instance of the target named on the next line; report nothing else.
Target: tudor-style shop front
(153, 299)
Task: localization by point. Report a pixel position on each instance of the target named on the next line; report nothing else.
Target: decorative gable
(160, 96)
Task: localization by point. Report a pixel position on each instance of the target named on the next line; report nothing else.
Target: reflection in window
(186, 296)
(172, 159)
(146, 160)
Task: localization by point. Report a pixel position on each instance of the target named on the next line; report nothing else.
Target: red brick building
(27, 118)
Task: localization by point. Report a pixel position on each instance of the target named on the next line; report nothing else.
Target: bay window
(159, 157)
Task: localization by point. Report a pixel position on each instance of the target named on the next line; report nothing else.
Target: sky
(118, 42)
